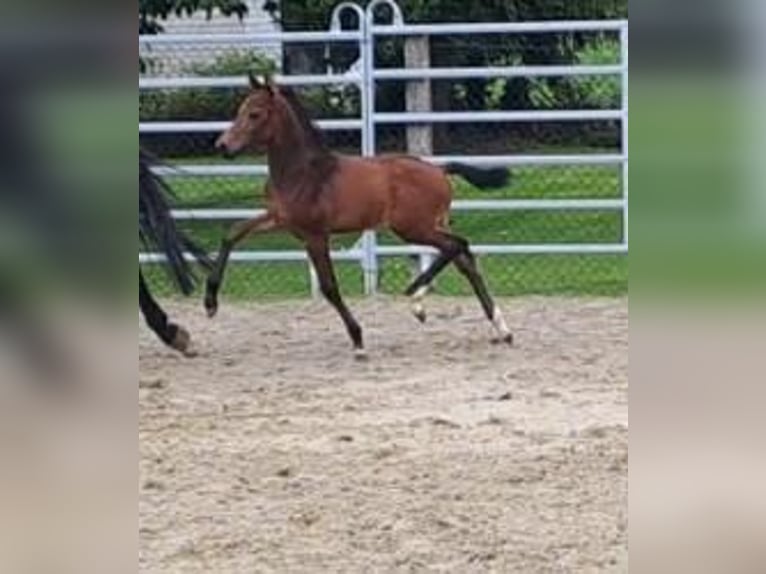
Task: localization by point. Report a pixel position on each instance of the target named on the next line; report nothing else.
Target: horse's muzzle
(224, 149)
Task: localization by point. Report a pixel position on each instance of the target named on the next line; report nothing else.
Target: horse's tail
(483, 178)
(157, 228)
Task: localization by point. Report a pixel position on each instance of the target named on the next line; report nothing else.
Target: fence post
(625, 136)
(370, 238)
(417, 55)
(420, 140)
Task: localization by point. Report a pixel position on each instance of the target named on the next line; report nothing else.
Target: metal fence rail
(366, 79)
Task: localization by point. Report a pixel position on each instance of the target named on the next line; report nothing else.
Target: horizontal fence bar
(500, 160)
(495, 72)
(354, 78)
(532, 160)
(212, 171)
(551, 249)
(251, 39)
(211, 127)
(216, 214)
(460, 205)
(473, 28)
(410, 251)
(538, 205)
(257, 38)
(485, 117)
(192, 82)
(260, 257)
(405, 118)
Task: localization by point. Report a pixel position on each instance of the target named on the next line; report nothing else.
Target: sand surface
(276, 451)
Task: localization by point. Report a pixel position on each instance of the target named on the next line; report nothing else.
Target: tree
(151, 12)
(315, 14)
(295, 15)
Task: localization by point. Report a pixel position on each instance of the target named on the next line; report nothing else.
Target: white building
(257, 20)
(176, 58)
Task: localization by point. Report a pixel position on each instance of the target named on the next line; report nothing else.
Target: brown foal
(313, 193)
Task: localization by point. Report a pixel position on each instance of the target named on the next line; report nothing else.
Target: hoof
(505, 340)
(190, 352)
(183, 343)
(361, 355)
(421, 316)
(211, 307)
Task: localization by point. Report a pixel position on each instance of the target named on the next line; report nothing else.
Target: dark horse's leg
(238, 233)
(319, 252)
(171, 334)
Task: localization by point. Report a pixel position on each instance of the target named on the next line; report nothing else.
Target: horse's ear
(255, 81)
(265, 82)
(269, 84)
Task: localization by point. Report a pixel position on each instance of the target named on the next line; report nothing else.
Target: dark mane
(324, 160)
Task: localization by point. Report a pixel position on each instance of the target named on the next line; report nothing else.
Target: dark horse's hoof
(361, 355)
(421, 316)
(183, 343)
(211, 306)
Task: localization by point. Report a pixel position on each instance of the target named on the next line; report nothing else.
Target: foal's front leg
(238, 233)
(319, 252)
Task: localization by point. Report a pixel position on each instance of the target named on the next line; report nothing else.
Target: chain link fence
(511, 73)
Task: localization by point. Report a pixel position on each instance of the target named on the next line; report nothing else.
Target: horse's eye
(255, 115)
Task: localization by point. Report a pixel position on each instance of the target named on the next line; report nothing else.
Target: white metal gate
(365, 77)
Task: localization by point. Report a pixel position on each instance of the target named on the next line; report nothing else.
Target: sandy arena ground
(276, 452)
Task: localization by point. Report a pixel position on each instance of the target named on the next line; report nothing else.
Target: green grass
(507, 275)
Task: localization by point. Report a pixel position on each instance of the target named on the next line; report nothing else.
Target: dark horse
(158, 231)
(313, 193)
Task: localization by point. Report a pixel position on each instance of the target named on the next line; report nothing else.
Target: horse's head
(254, 125)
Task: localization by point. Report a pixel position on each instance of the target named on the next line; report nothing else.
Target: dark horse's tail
(158, 230)
(483, 178)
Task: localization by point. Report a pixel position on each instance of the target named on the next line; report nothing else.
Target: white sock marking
(499, 323)
(417, 301)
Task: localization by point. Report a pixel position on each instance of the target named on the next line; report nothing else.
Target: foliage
(236, 63)
(303, 14)
(602, 92)
(587, 92)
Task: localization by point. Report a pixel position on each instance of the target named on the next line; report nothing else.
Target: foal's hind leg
(319, 252)
(172, 335)
(419, 288)
(449, 247)
(454, 248)
(238, 233)
(466, 264)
